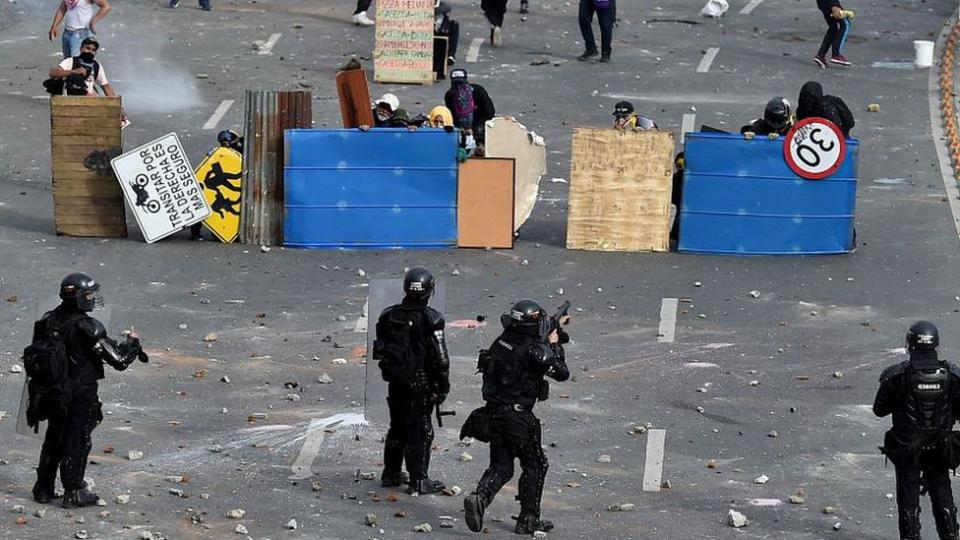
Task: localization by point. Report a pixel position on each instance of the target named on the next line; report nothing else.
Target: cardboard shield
(383, 294)
(221, 175)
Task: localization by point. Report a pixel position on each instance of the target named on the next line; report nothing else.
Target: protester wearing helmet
(513, 370)
(388, 114)
(777, 119)
(923, 395)
(625, 117)
(412, 355)
(67, 398)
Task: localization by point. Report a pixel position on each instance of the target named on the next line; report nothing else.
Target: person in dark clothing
(606, 11)
(838, 28)
(413, 360)
(923, 395)
(470, 104)
(513, 382)
(777, 119)
(75, 409)
(360, 17)
(494, 11)
(813, 103)
(444, 26)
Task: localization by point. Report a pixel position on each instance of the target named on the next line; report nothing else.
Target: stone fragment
(236, 513)
(604, 458)
(324, 378)
(423, 528)
(134, 455)
(122, 499)
(292, 525)
(465, 457)
(762, 479)
(240, 529)
(736, 519)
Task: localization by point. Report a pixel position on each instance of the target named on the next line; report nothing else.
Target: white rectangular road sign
(160, 187)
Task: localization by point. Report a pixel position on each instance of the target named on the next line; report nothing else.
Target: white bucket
(924, 50)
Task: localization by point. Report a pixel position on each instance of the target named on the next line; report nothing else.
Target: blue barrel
(741, 198)
(385, 188)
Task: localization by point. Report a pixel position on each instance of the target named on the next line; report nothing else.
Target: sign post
(814, 148)
(404, 42)
(160, 187)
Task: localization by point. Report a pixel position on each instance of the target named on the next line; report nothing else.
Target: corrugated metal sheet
(386, 188)
(741, 198)
(267, 115)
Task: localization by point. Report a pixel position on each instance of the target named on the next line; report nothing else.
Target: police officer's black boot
(474, 505)
(75, 493)
(909, 523)
(528, 523)
(393, 475)
(946, 520)
(417, 457)
(43, 490)
(425, 486)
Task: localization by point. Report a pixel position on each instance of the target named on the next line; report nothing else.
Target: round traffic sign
(814, 148)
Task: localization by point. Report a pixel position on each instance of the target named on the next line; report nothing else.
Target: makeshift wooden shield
(221, 175)
(355, 106)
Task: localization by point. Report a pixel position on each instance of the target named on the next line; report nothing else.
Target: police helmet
(524, 314)
(922, 336)
(777, 112)
(81, 289)
(228, 137)
(622, 109)
(418, 283)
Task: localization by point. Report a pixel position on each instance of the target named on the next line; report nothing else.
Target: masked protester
(412, 355)
(923, 395)
(625, 117)
(64, 364)
(812, 103)
(470, 104)
(777, 119)
(513, 371)
(83, 72)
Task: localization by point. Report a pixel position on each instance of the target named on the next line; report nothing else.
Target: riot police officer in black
(513, 382)
(75, 409)
(923, 395)
(412, 354)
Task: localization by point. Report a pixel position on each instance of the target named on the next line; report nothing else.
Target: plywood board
(620, 185)
(355, 105)
(403, 51)
(485, 201)
(507, 138)
(85, 133)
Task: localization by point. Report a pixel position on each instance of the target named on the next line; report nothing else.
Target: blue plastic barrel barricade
(741, 198)
(385, 188)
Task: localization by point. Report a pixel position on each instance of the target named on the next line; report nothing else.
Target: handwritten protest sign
(404, 42)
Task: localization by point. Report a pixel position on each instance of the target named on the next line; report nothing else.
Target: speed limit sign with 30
(814, 148)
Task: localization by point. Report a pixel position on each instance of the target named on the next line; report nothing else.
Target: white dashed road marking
(748, 9)
(707, 59)
(268, 47)
(689, 124)
(653, 466)
(473, 53)
(218, 114)
(668, 320)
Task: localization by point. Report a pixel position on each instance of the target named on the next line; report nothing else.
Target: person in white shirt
(79, 20)
(83, 72)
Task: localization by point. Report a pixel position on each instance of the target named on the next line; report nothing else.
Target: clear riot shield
(45, 304)
(383, 294)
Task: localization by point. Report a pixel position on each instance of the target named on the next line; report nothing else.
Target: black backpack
(55, 86)
(399, 347)
(46, 362)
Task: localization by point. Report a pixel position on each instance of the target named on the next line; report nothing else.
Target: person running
(838, 28)
(360, 17)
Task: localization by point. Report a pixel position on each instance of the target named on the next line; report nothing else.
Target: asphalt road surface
(815, 338)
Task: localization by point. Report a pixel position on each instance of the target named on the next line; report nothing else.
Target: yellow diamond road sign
(220, 175)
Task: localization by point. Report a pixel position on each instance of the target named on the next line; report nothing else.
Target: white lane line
(689, 124)
(949, 182)
(748, 9)
(315, 435)
(218, 114)
(473, 53)
(653, 465)
(707, 59)
(268, 46)
(361, 326)
(668, 320)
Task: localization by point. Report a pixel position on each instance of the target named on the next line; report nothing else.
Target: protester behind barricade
(606, 11)
(777, 120)
(625, 117)
(79, 22)
(388, 114)
(444, 26)
(812, 103)
(471, 107)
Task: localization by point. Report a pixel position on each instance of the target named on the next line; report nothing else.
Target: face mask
(382, 116)
(86, 57)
